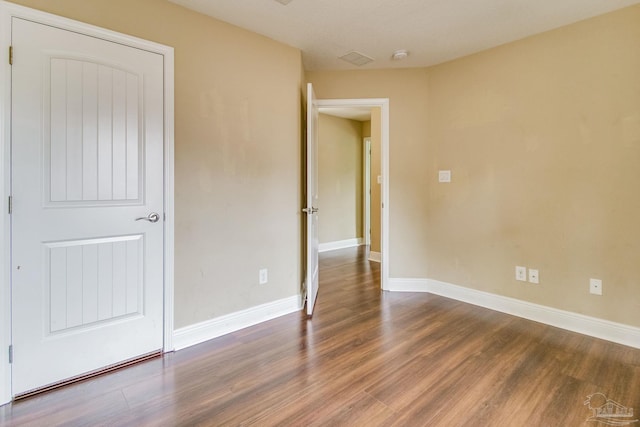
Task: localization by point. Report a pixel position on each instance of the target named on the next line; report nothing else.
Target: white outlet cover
(521, 273)
(533, 276)
(263, 276)
(444, 176)
(595, 286)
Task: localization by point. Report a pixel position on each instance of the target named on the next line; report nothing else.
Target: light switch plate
(263, 276)
(534, 277)
(444, 176)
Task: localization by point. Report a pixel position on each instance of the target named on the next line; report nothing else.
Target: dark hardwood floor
(366, 358)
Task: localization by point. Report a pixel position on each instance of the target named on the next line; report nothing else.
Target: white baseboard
(204, 331)
(375, 256)
(586, 325)
(340, 244)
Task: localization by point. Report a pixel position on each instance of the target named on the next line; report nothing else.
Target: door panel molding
(7, 12)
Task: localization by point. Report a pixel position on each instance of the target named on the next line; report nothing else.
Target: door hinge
(10, 55)
(11, 354)
(10, 205)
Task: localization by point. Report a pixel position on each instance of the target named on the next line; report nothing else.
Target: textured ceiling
(433, 31)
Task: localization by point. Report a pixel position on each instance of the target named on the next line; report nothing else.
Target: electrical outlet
(264, 278)
(595, 286)
(533, 276)
(521, 273)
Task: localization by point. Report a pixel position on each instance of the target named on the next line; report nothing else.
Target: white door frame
(383, 104)
(366, 190)
(7, 12)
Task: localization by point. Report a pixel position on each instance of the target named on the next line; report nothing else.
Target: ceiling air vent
(284, 2)
(356, 58)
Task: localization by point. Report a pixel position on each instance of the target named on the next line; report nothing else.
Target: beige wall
(376, 170)
(366, 129)
(406, 90)
(543, 139)
(237, 143)
(339, 179)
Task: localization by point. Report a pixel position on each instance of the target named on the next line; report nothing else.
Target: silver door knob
(312, 210)
(152, 217)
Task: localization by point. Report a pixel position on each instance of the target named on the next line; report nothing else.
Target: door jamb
(7, 12)
(383, 104)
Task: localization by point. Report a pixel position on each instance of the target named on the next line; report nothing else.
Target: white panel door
(87, 161)
(312, 200)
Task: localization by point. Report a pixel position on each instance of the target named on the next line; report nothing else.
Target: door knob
(312, 210)
(152, 217)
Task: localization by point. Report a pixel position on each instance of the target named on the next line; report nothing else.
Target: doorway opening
(369, 215)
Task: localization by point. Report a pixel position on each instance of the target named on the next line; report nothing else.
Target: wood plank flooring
(366, 358)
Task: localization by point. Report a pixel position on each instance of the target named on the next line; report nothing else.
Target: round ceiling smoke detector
(400, 54)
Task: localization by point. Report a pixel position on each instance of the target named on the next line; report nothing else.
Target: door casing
(383, 104)
(7, 12)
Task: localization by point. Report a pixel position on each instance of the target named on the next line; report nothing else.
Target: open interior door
(312, 197)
